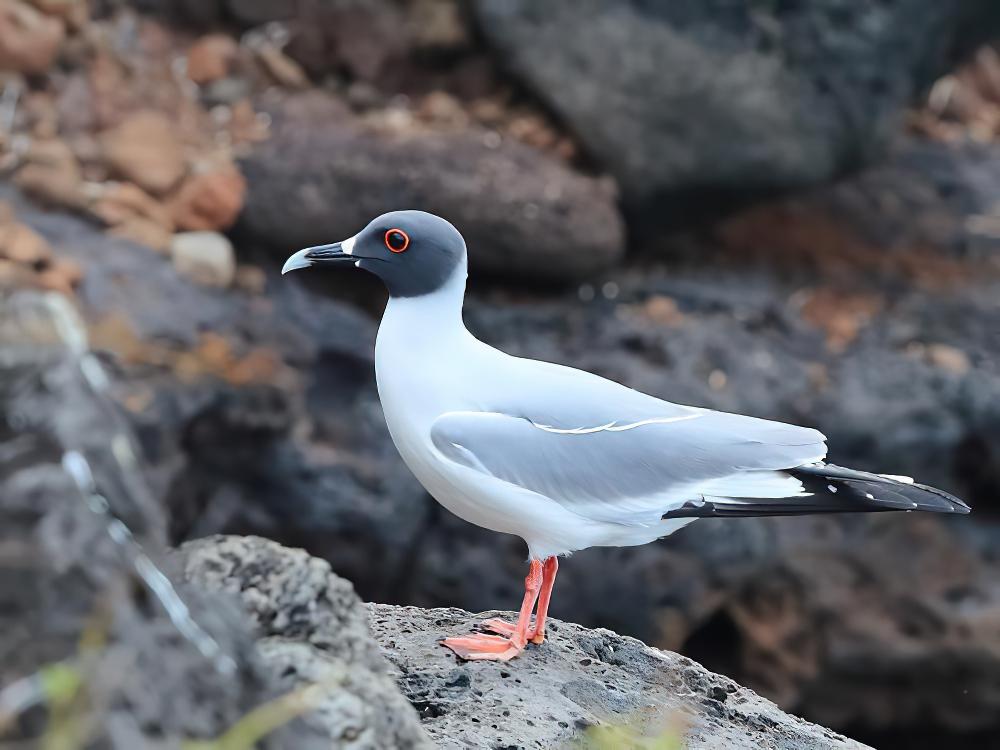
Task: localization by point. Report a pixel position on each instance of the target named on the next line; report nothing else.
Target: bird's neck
(427, 322)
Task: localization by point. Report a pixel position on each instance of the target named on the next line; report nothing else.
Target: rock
(250, 279)
(211, 58)
(190, 677)
(283, 69)
(116, 203)
(257, 12)
(522, 213)
(74, 12)
(28, 259)
(29, 40)
(14, 276)
(52, 186)
(210, 201)
(949, 358)
(311, 624)
(369, 39)
(143, 232)
(61, 275)
(144, 149)
(688, 99)
(313, 629)
(583, 685)
(439, 25)
(228, 92)
(204, 257)
(22, 244)
(132, 214)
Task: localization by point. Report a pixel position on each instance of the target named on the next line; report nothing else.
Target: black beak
(338, 252)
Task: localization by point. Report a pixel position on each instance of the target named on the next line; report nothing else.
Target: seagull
(560, 457)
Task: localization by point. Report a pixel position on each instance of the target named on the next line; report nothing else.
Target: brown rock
(14, 275)
(120, 202)
(250, 279)
(441, 107)
(282, 68)
(22, 244)
(948, 357)
(663, 311)
(52, 174)
(145, 150)
(211, 58)
(438, 24)
(841, 315)
(52, 187)
(53, 152)
(29, 40)
(52, 281)
(210, 201)
(143, 232)
(74, 12)
(69, 268)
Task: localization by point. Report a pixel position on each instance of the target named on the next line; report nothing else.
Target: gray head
(413, 252)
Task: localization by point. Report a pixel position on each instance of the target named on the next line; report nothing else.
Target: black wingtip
(885, 491)
(830, 489)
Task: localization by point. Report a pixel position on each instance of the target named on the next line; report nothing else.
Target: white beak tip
(296, 261)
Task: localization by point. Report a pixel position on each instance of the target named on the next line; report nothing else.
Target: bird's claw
(483, 646)
(502, 627)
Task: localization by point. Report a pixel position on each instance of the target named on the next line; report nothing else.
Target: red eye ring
(392, 240)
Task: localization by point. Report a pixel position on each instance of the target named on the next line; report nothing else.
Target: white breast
(422, 356)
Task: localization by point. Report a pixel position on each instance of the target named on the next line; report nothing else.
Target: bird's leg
(549, 571)
(536, 634)
(497, 647)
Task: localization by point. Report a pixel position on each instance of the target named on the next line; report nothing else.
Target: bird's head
(413, 252)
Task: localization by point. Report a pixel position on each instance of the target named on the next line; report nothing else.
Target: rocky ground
(831, 259)
(593, 688)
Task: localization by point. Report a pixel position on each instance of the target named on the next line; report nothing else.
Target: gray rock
(572, 686)
(313, 630)
(82, 584)
(688, 99)
(523, 213)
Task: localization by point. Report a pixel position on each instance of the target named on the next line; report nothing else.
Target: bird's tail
(873, 492)
(832, 489)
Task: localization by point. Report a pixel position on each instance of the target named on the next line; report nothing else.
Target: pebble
(206, 258)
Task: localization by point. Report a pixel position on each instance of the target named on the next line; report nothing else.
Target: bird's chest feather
(415, 387)
(418, 381)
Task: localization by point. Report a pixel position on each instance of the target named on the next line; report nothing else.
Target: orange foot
(482, 646)
(496, 625)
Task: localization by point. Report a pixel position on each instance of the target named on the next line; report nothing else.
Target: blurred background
(787, 208)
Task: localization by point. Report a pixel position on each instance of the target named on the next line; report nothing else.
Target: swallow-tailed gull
(559, 457)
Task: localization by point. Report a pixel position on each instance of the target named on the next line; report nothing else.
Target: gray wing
(632, 469)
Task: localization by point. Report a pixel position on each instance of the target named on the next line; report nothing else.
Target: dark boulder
(99, 644)
(697, 100)
(523, 213)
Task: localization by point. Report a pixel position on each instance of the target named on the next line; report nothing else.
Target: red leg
(482, 646)
(536, 634)
(549, 571)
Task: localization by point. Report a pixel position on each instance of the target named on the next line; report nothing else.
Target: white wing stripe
(614, 426)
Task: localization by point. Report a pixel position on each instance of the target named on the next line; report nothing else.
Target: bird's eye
(397, 240)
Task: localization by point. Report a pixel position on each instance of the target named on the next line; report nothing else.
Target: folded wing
(633, 470)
